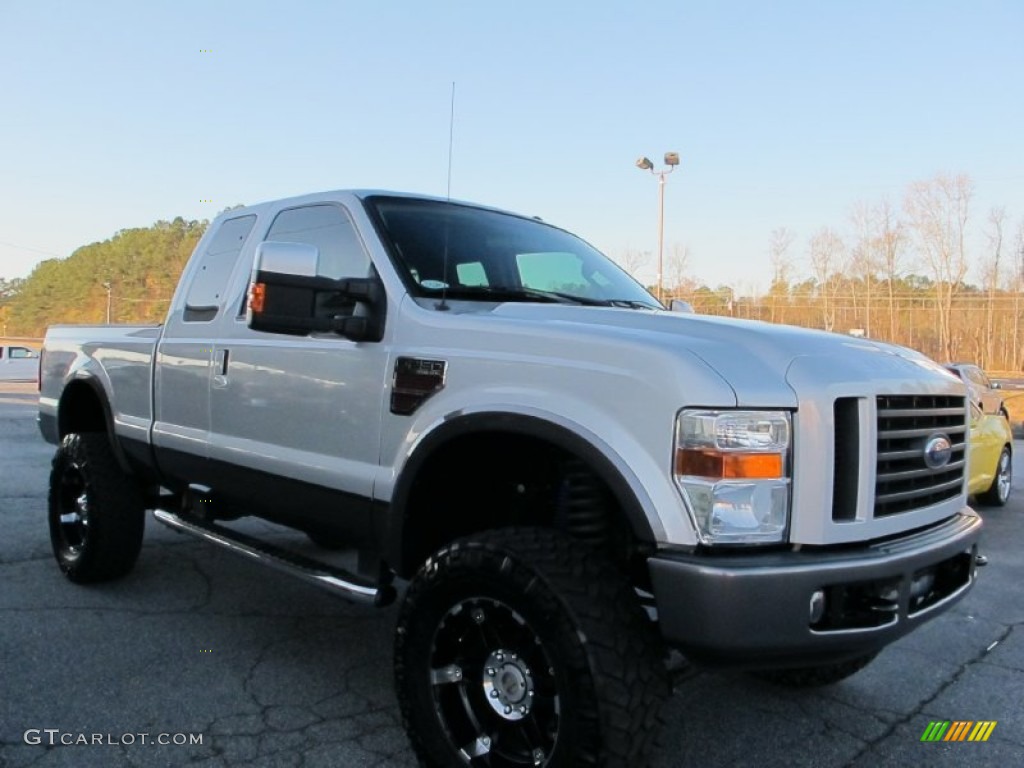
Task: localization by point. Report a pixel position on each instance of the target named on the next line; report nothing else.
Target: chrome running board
(330, 577)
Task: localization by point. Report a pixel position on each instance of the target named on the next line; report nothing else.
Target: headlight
(732, 467)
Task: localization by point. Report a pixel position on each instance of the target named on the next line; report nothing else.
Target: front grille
(905, 423)
(846, 458)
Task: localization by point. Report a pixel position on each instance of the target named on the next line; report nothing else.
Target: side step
(327, 576)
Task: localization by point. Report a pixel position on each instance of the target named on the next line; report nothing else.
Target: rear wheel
(815, 676)
(999, 492)
(96, 512)
(522, 647)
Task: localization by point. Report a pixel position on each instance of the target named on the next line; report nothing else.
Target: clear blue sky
(784, 113)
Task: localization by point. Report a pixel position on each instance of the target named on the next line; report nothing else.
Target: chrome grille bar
(904, 480)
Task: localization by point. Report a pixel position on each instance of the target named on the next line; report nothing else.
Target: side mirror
(678, 305)
(287, 296)
(996, 385)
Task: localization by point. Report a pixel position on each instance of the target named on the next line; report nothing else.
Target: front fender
(641, 485)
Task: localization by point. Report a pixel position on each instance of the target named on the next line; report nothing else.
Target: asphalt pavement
(201, 658)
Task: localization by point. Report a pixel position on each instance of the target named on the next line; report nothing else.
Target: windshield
(493, 256)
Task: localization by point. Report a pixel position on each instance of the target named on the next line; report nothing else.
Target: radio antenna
(451, 141)
(443, 306)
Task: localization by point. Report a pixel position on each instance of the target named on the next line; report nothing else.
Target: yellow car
(989, 458)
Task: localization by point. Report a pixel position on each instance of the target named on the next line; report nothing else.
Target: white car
(984, 392)
(18, 363)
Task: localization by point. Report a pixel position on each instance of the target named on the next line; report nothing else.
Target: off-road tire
(96, 512)
(999, 492)
(570, 621)
(815, 676)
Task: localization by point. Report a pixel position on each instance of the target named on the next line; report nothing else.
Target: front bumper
(754, 610)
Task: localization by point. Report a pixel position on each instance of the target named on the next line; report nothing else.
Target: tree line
(893, 272)
(128, 278)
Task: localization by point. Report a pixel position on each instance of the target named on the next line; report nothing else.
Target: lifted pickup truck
(568, 477)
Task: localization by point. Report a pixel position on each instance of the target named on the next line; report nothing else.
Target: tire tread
(622, 647)
(117, 517)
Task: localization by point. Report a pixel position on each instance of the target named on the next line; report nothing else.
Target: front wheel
(96, 512)
(999, 492)
(522, 647)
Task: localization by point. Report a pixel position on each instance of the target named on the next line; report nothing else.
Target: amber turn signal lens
(257, 297)
(714, 464)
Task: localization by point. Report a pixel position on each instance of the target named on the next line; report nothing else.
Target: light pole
(671, 161)
(107, 286)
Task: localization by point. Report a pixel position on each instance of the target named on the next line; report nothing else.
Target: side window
(22, 353)
(976, 413)
(329, 228)
(215, 267)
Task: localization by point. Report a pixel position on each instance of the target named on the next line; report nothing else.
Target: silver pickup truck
(561, 477)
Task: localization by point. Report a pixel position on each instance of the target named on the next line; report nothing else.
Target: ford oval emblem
(937, 451)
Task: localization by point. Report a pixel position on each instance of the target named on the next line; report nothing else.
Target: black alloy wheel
(522, 647)
(96, 511)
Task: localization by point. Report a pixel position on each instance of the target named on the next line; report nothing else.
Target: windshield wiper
(511, 293)
(634, 304)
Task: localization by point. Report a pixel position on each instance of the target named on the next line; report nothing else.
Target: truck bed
(117, 358)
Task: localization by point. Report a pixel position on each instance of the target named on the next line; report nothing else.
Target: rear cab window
(210, 281)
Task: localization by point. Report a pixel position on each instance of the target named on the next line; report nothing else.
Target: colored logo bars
(958, 730)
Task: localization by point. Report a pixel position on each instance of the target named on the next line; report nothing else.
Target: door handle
(220, 377)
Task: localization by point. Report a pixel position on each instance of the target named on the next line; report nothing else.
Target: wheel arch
(403, 555)
(84, 407)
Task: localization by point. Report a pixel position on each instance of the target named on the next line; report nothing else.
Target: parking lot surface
(229, 663)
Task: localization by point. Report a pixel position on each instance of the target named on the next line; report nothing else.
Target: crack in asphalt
(1011, 629)
(276, 720)
(807, 706)
(870, 744)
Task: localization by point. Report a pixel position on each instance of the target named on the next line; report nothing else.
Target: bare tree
(888, 238)
(990, 277)
(937, 209)
(826, 250)
(1017, 285)
(782, 266)
(864, 259)
(633, 260)
(676, 266)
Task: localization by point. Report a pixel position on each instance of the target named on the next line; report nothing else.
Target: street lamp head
(644, 164)
(671, 158)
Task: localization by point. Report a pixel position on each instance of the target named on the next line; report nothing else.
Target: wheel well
(80, 410)
(494, 479)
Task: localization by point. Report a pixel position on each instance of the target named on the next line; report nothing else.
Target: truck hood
(765, 364)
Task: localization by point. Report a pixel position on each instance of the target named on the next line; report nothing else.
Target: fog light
(817, 606)
(921, 586)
